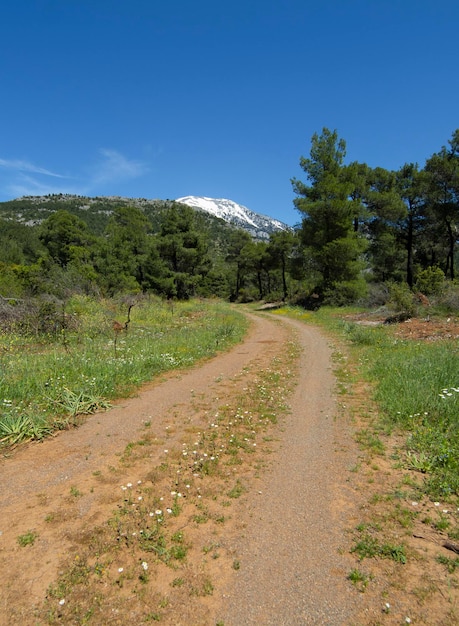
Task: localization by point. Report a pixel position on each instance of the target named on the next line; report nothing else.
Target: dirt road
(292, 572)
(287, 531)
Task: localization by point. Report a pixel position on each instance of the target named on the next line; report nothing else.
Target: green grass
(48, 381)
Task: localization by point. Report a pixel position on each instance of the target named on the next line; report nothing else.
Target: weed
(178, 552)
(207, 587)
(80, 402)
(369, 547)
(359, 579)
(210, 547)
(237, 490)
(27, 539)
(450, 564)
(18, 429)
(370, 441)
(443, 523)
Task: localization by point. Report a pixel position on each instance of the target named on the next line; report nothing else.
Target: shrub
(430, 281)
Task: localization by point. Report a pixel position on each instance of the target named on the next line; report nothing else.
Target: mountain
(218, 214)
(259, 226)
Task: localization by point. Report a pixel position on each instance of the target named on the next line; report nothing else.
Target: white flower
(120, 569)
(62, 601)
(144, 565)
(158, 512)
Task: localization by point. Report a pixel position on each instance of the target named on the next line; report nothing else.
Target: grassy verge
(416, 390)
(49, 379)
(403, 396)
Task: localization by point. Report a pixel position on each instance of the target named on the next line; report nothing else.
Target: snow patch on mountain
(259, 226)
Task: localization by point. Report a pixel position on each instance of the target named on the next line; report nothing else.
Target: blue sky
(166, 98)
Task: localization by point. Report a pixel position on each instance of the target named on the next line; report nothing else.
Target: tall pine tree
(328, 226)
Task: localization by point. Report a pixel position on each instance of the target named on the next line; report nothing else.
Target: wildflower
(62, 601)
(144, 565)
(437, 503)
(169, 510)
(407, 620)
(120, 569)
(129, 485)
(158, 512)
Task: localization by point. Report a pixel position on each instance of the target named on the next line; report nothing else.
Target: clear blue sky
(219, 98)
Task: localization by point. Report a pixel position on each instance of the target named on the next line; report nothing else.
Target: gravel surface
(291, 570)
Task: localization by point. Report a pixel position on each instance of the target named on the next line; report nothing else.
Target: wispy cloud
(24, 166)
(24, 185)
(116, 167)
(23, 178)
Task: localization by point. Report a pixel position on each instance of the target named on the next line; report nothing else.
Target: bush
(401, 298)
(430, 281)
(346, 292)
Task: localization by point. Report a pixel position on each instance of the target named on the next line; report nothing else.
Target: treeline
(171, 250)
(365, 226)
(361, 229)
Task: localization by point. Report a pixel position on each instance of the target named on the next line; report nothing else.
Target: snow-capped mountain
(259, 226)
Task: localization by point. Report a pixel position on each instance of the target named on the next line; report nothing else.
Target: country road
(288, 535)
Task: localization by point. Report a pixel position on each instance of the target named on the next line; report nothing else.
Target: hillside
(95, 212)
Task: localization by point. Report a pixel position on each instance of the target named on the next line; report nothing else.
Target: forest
(362, 234)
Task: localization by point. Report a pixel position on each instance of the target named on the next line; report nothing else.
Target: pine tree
(328, 226)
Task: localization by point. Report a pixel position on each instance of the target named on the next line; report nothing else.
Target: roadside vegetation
(58, 365)
(400, 384)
